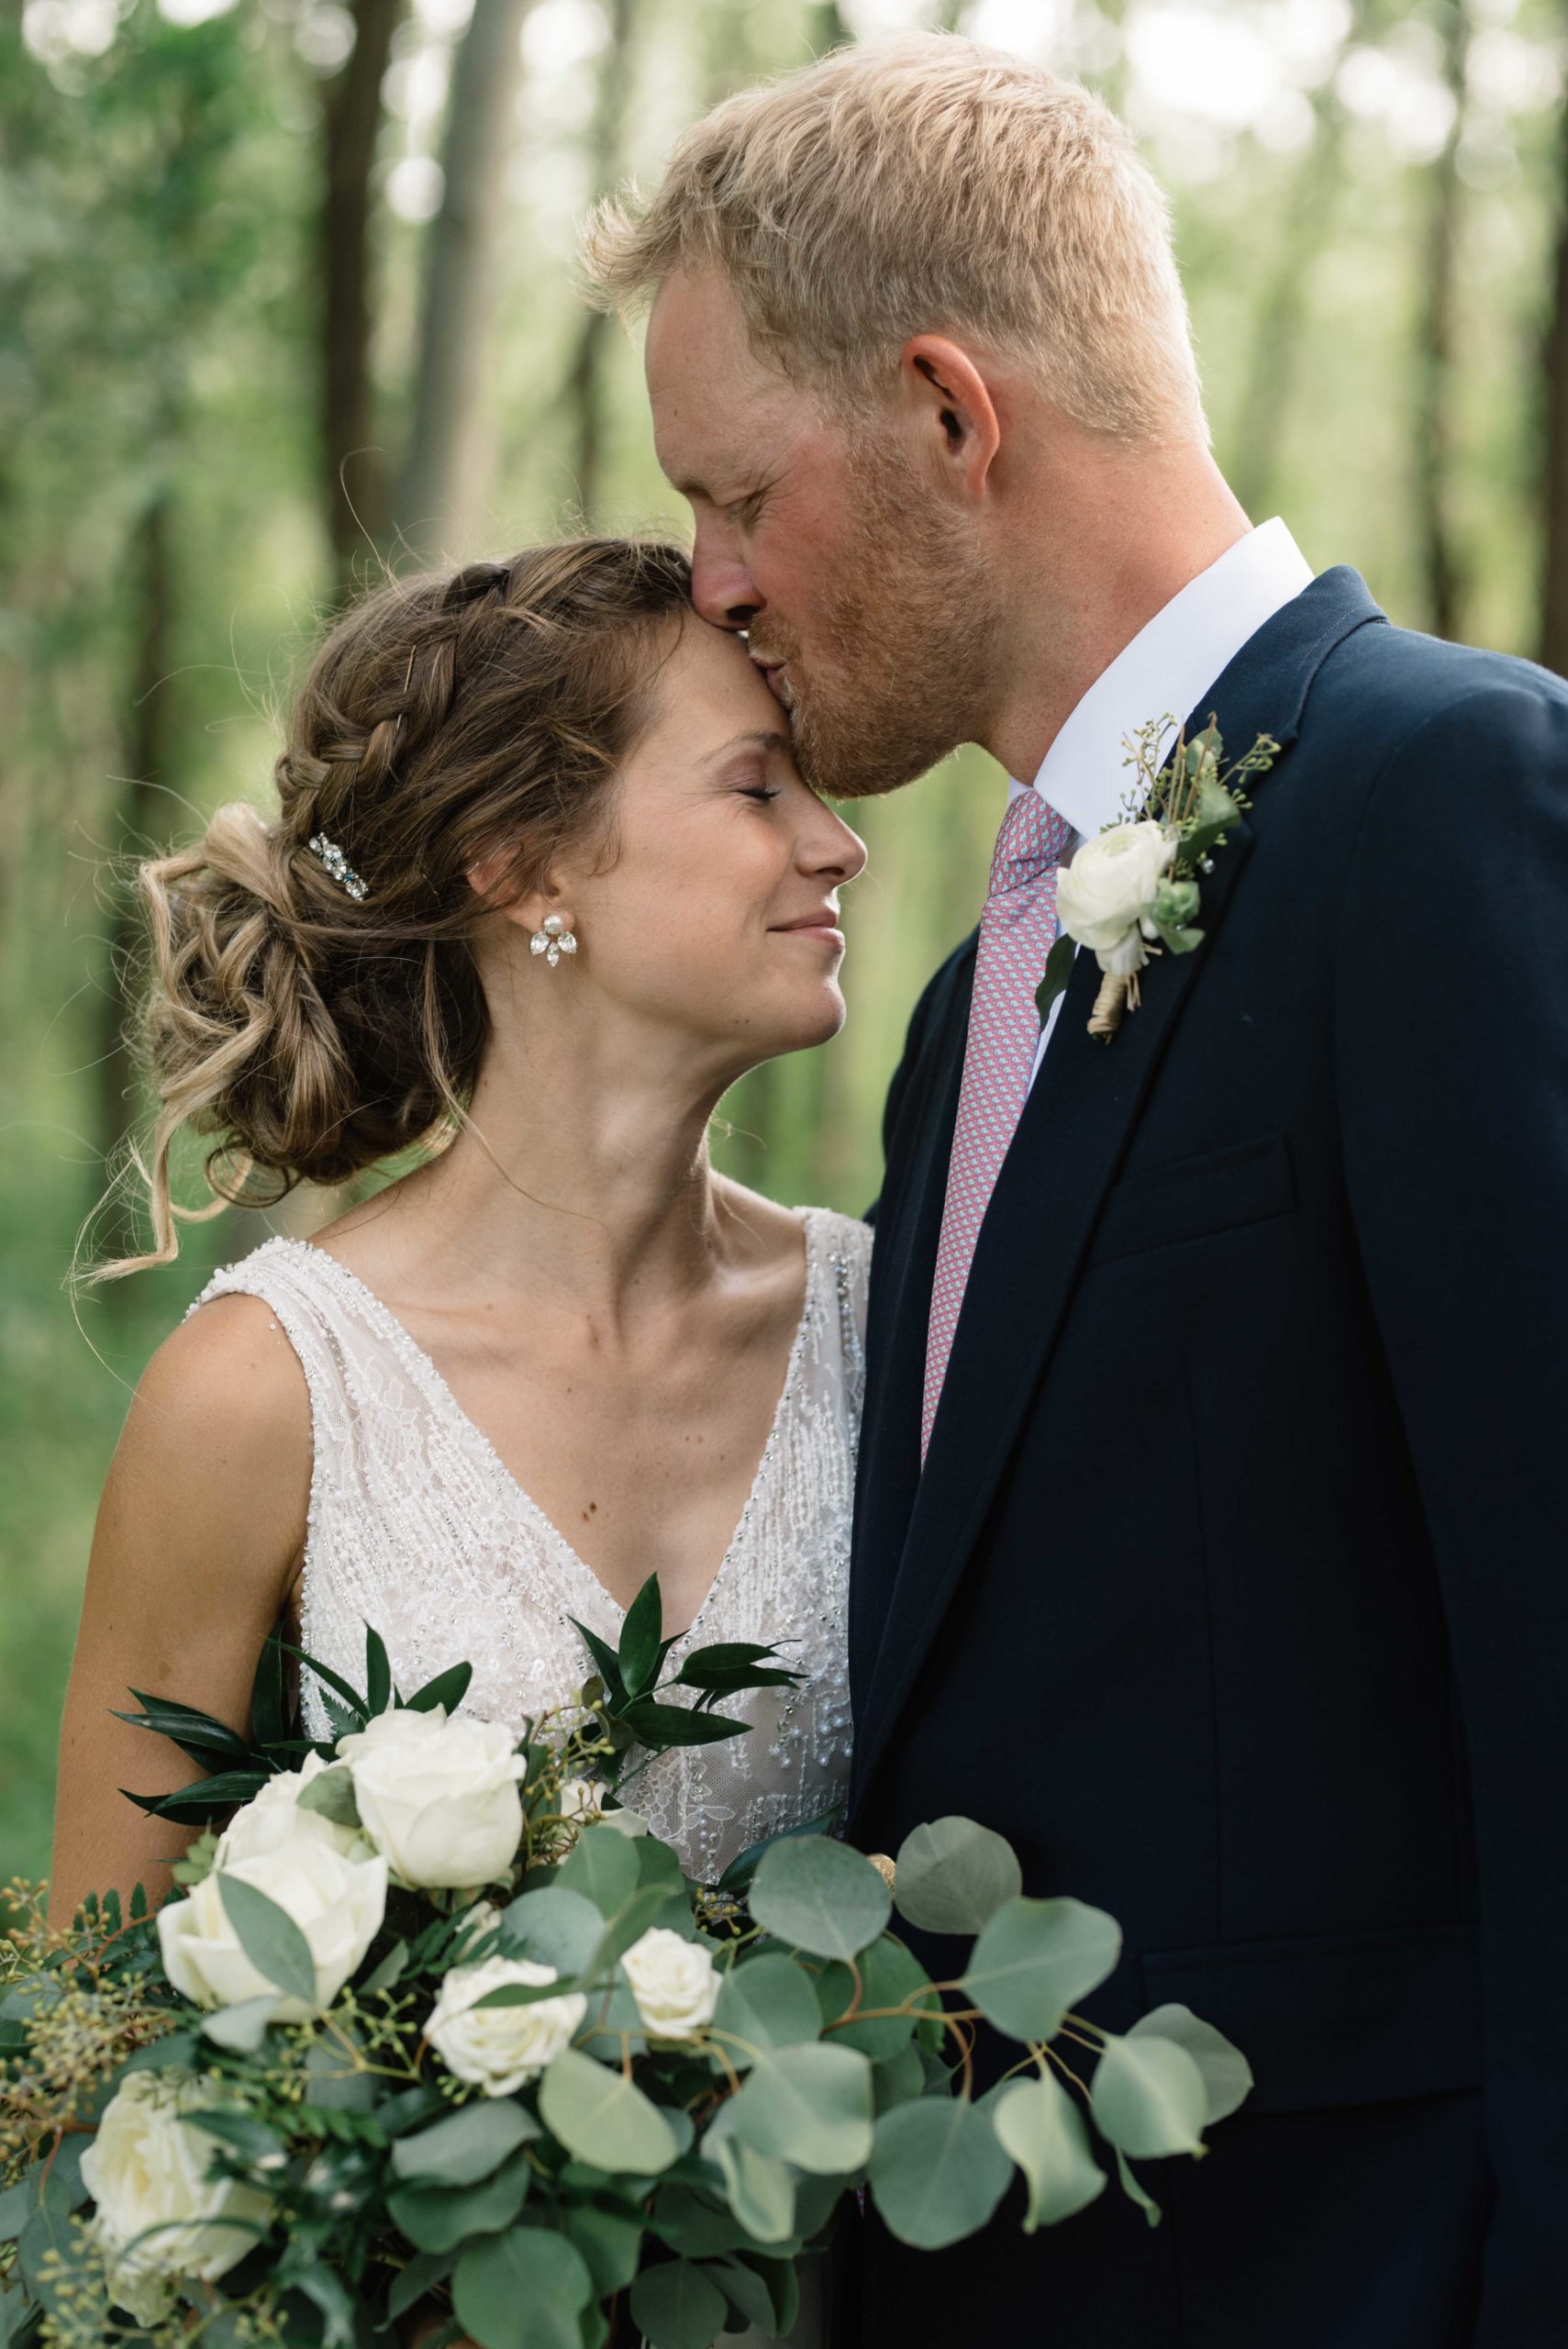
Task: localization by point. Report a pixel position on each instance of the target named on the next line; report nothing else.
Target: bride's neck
(583, 1186)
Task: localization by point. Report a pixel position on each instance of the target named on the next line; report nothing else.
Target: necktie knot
(1032, 841)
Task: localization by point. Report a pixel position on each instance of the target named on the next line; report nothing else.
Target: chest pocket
(1191, 1199)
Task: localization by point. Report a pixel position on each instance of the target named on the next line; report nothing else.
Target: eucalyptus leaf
(676, 2306)
(937, 2171)
(897, 2079)
(1035, 1959)
(1148, 2099)
(1227, 2075)
(743, 1867)
(328, 2292)
(689, 2223)
(953, 1875)
(423, 2273)
(523, 2289)
(759, 2186)
(242, 2028)
(891, 1975)
(1037, 2123)
(387, 1971)
(1134, 2190)
(270, 1938)
(331, 1792)
(765, 2002)
(811, 2106)
(439, 2218)
(604, 2118)
(470, 2144)
(557, 1926)
(610, 2243)
(746, 2291)
(602, 1866)
(818, 1895)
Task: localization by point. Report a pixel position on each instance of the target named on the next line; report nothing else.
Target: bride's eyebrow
(761, 737)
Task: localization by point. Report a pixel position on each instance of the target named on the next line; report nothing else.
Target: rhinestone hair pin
(338, 866)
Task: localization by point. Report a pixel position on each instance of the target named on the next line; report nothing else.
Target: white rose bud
(274, 1817)
(147, 2167)
(337, 1903)
(580, 1801)
(1110, 884)
(438, 1797)
(674, 1982)
(499, 2048)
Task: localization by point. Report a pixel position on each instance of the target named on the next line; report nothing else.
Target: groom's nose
(722, 588)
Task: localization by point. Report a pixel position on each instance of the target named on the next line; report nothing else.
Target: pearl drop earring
(553, 940)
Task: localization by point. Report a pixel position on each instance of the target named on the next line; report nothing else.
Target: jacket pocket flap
(1344, 2020)
(1186, 1200)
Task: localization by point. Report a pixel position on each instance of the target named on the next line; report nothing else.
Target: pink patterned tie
(1018, 930)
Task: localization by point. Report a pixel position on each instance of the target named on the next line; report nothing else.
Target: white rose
(274, 1817)
(500, 2047)
(438, 1797)
(147, 2167)
(674, 1982)
(337, 1903)
(1111, 882)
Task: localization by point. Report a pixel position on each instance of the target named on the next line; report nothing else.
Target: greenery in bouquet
(433, 2026)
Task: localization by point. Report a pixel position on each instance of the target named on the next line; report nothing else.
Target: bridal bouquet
(434, 2029)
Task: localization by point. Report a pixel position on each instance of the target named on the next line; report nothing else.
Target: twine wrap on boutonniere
(1135, 890)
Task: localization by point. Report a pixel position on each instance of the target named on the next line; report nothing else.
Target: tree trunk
(1434, 350)
(1554, 481)
(354, 470)
(443, 479)
(1284, 317)
(585, 389)
(149, 735)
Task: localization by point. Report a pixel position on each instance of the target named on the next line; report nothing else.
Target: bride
(544, 881)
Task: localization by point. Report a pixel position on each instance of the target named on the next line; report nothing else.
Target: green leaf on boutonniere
(1179, 942)
(1058, 973)
(1214, 809)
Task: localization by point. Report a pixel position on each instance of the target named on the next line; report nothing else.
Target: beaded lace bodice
(417, 1528)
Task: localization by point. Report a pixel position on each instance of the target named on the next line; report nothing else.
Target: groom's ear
(949, 404)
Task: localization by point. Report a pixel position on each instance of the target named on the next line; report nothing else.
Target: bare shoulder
(216, 1445)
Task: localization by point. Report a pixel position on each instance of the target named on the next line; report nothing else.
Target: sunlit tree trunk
(354, 472)
(1434, 350)
(139, 817)
(444, 478)
(1555, 483)
(584, 392)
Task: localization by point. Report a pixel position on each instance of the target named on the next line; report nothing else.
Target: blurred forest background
(284, 292)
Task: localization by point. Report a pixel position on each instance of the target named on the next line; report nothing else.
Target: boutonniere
(1136, 890)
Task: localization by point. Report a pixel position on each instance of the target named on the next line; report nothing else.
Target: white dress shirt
(1169, 665)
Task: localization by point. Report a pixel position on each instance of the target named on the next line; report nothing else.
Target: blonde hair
(466, 718)
(923, 183)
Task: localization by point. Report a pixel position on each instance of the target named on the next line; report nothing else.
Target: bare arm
(199, 1538)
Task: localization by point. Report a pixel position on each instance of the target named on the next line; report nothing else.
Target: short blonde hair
(920, 183)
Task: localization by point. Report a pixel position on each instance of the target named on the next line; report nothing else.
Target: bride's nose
(828, 849)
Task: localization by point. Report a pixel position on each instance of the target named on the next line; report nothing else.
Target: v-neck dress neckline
(422, 1365)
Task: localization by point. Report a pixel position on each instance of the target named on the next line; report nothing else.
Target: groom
(1213, 1537)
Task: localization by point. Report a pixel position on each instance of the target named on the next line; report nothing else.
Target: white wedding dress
(416, 1527)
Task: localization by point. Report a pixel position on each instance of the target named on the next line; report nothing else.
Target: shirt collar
(1168, 665)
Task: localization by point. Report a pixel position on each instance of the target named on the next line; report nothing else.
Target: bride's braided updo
(445, 721)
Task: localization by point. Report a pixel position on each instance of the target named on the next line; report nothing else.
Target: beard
(906, 629)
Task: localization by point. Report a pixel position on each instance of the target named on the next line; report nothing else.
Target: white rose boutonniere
(438, 1797)
(499, 2049)
(1133, 892)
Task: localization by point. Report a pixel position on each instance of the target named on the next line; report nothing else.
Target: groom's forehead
(713, 399)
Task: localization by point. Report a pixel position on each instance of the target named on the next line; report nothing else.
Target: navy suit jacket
(1235, 1589)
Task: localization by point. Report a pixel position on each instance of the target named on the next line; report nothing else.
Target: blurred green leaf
(1037, 2123)
(811, 2106)
(818, 1895)
(1035, 1959)
(766, 2001)
(952, 1875)
(1227, 2075)
(1149, 2098)
(676, 2306)
(937, 2171)
(522, 2290)
(470, 2144)
(604, 2118)
(270, 1938)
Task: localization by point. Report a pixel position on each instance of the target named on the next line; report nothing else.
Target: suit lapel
(1072, 1138)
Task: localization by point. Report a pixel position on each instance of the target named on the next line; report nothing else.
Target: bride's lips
(823, 925)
